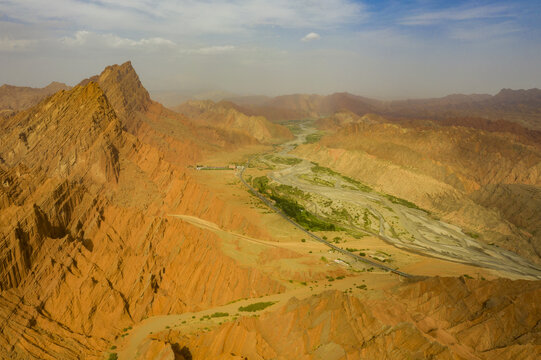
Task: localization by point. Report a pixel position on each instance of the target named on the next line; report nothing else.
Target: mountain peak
(124, 90)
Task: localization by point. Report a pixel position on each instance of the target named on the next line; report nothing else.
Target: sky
(384, 49)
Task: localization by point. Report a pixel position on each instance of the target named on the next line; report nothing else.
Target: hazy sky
(385, 49)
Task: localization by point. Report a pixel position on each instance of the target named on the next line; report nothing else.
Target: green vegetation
(403, 202)
(324, 170)
(113, 356)
(219, 314)
(472, 234)
(467, 276)
(342, 214)
(359, 185)
(215, 315)
(313, 138)
(366, 219)
(113, 347)
(256, 306)
(316, 180)
(294, 128)
(290, 207)
(261, 183)
(301, 216)
(283, 160)
(324, 259)
(292, 191)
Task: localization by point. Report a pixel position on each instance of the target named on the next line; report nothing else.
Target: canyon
(115, 242)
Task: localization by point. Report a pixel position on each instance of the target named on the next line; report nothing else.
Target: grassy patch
(403, 202)
(283, 160)
(256, 306)
(472, 234)
(294, 128)
(219, 314)
(316, 180)
(301, 216)
(289, 206)
(261, 184)
(313, 138)
(292, 191)
(366, 219)
(356, 184)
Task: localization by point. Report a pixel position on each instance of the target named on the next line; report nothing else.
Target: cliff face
(86, 246)
(91, 177)
(438, 318)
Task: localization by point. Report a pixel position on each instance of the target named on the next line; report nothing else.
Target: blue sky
(384, 49)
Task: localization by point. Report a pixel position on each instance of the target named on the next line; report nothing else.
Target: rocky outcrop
(86, 246)
(438, 318)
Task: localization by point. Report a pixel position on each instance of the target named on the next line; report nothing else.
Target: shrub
(219, 314)
(256, 306)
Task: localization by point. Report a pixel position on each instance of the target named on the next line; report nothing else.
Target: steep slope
(224, 115)
(37, 160)
(438, 318)
(182, 141)
(86, 246)
(444, 169)
(16, 98)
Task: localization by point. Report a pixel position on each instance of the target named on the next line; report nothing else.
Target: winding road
(417, 231)
(317, 238)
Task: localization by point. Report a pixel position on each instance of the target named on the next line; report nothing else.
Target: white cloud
(457, 14)
(211, 50)
(311, 36)
(9, 44)
(90, 39)
(83, 37)
(186, 16)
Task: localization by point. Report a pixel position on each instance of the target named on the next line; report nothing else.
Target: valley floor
(371, 224)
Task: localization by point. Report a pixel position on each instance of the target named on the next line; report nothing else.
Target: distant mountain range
(522, 106)
(15, 98)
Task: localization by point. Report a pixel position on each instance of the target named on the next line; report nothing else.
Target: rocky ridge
(86, 247)
(438, 318)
